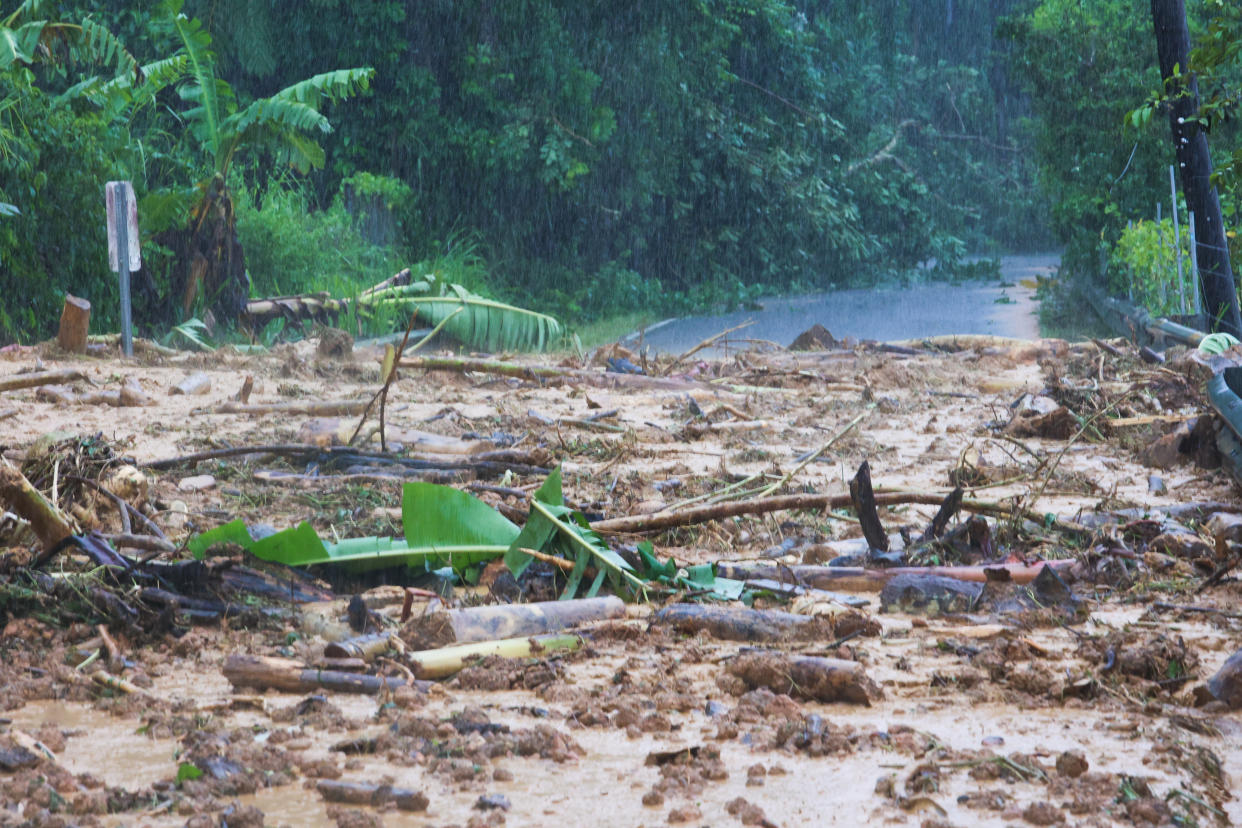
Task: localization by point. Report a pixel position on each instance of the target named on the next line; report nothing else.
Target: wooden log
(858, 579)
(601, 379)
(362, 793)
(807, 677)
(863, 498)
(266, 672)
(48, 524)
(445, 661)
(195, 384)
(36, 378)
(313, 408)
(365, 647)
(743, 624)
(500, 621)
(75, 320)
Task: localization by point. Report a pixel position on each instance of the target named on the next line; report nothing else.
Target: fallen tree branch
(321, 408)
(541, 372)
(37, 378)
(706, 343)
(719, 511)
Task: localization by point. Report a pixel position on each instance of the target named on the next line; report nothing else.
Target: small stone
(197, 483)
(685, 813)
(653, 799)
(492, 802)
(1226, 685)
(993, 741)
(1072, 763)
(1043, 813)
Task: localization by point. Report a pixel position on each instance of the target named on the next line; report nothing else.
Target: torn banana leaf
(443, 527)
(555, 529)
(700, 578)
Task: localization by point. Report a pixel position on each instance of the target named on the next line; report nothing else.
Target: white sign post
(124, 250)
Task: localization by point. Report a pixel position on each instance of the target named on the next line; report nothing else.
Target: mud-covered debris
(930, 594)
(814, 338)
(807, 677)
(1072, 763)
(1047, 599)
(744, 624)
(1226, 685)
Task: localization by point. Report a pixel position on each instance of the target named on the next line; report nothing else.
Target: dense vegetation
(580, 158)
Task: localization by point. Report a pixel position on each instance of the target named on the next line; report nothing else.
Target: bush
(1143, 267)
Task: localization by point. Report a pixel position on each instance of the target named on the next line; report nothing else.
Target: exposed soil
(1089, 711)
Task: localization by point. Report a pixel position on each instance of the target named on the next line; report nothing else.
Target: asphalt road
(881, 314)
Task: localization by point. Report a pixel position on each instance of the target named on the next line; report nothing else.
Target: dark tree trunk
(1220, 298)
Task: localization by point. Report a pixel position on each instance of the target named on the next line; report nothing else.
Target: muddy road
(1086, 709)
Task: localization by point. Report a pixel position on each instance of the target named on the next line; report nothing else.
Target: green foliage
(1143, 266)
(292, 248)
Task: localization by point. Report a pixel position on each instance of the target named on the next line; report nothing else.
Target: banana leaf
(443, 527)
(483, 323)
(554, 528)
(700, 578)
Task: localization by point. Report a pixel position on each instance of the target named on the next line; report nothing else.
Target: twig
(555, 560)
(706, 343)
(382, 394)
(1161, 605)
(810, 458)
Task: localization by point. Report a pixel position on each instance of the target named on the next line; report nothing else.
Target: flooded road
(1002, 307)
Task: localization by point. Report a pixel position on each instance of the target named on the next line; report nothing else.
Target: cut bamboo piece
(36, 378)
(193, 385)
(75, 320)
(444, 662)
(807, 677)
(858, 579)
(365, 647)
(743, 624)
(266, 672)
(462, 626)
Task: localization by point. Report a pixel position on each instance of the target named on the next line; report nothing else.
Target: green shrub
(1142, 266)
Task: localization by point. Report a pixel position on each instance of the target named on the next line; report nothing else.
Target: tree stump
(75, 319)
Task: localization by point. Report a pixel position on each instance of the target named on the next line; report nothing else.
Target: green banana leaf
(483, 323)
(700, 578)
(443, 527)
(554, 528)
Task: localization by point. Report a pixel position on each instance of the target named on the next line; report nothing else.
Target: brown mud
(1010, 712)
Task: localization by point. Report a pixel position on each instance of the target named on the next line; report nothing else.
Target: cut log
(444, 662)
(265, 672)
(49, 526)
(75, 320)
(361, 793)
(462, 626)
(807, 677)
(858, 579)
(742, 624)
(195, 384)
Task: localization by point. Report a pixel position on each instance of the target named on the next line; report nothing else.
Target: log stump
(75, 319)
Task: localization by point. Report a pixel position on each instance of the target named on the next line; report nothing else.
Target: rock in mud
(1226, 685)
(810, 678)
(931, 594)
(1072, 763)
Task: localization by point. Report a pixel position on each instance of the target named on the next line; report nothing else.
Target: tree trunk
(1220, 298)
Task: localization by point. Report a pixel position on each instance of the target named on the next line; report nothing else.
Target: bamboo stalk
(444, 662)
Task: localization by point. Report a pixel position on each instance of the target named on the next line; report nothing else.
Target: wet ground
(985, 718)
(1004, 307)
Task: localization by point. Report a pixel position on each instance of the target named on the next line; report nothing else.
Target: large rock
(931, 594)
(1226, 685)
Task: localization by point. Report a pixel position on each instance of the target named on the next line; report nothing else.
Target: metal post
(1177, 242)
(1160, 258)
(1194, 265)
(122, 258)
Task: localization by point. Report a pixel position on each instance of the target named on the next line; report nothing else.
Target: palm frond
(100, 45)
(286, 113)
(204, 90)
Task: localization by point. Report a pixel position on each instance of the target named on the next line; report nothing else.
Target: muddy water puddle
(110, 748)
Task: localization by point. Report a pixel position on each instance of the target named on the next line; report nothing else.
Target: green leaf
(187, 771)
(484, 323)
(537, 532)
(231, 532)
